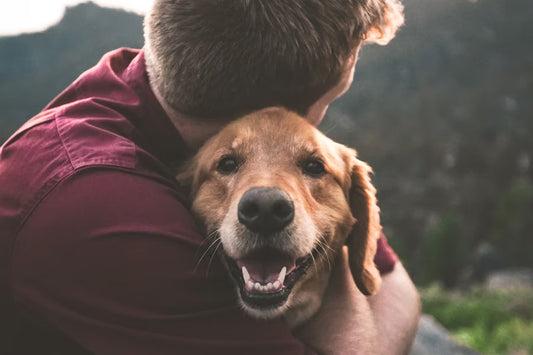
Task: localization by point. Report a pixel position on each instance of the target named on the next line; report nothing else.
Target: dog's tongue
(264, 268)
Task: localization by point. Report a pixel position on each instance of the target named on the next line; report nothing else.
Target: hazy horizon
(18, 17)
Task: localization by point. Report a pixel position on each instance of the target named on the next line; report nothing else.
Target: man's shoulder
(61, 140)
(93, 134)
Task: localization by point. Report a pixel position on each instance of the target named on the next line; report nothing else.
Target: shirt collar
(158, 131)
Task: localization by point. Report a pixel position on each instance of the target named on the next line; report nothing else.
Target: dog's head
(284, 199)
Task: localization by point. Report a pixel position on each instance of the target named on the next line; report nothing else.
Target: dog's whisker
(212, 235)
(214, 243)
(314, 262)
(208, 239)
(323, 243)
(219, 244)
(328, 259)
(324, 249)
(211, 244)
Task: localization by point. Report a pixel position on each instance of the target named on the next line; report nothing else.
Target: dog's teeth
(268, 287)
(245, 274)
(282, 274)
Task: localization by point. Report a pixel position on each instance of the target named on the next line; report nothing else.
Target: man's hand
(350, 323)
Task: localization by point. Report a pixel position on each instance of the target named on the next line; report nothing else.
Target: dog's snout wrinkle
(265, 210)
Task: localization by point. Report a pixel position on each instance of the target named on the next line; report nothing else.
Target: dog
(283, 200)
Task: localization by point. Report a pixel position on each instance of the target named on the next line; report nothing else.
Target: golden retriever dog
(283, 200)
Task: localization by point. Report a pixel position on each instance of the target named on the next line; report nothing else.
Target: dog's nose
(265, 209)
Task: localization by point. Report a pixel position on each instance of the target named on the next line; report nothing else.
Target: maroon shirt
(98, 251)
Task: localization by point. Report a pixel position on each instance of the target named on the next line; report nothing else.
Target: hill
(34, 68)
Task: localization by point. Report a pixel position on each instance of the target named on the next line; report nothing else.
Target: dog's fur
(336, 208)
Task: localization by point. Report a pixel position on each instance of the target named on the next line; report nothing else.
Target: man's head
(225, 58)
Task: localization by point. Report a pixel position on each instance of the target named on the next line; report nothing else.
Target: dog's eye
(228, 165)
(314, 168)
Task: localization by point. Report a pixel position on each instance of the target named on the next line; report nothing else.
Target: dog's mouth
(266, 278)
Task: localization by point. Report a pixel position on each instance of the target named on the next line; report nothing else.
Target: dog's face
(283, 199)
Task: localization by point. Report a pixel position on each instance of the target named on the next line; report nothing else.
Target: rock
(485, 260)
(509, 279)
(433, 339)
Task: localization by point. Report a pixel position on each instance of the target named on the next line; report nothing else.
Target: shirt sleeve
(385, 258)
(115, 261)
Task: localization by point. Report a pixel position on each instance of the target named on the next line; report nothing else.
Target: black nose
(265, 209)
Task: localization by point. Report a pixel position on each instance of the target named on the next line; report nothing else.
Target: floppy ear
(189, 175)
(362, 241)
(192, 173)
(185, 174)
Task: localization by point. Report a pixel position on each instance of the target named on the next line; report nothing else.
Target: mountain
(444, 114)
(35, 67)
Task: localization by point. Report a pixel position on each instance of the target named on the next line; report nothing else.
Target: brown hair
(223, 58)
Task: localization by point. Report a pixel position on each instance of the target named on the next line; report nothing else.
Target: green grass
(488, 321)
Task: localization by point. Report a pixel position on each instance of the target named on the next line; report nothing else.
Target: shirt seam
(63, 144)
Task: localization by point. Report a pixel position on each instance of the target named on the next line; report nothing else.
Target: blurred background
(444, 115)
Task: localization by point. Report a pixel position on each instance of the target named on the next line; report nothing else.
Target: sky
(24, 16)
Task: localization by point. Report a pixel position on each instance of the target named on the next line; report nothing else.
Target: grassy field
(491, 322)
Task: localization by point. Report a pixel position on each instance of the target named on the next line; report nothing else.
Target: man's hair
(223, 58)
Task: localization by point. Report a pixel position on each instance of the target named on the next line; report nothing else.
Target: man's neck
(194, 131)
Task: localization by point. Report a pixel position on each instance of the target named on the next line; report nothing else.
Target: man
(99, 252)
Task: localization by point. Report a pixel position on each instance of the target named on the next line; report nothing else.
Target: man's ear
(362, 241)
(390, 18)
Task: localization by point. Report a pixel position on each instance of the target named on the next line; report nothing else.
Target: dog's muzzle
(266, 274)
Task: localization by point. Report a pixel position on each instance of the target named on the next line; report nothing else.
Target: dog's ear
(185, 174)
(194, 171)
(362, 242)
(189, 174)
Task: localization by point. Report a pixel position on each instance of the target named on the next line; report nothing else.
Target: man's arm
(396, 308)
(350, 323)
